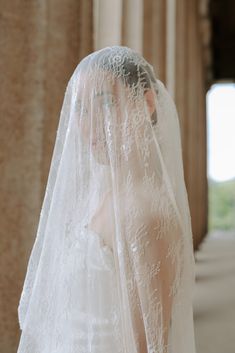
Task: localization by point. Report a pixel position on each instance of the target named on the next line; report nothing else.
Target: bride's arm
(155, 274)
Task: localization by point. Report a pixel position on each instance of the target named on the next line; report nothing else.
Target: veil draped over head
(112, 266)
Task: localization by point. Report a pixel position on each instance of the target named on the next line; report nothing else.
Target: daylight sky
(221, 132)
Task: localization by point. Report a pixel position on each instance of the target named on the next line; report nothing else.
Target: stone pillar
(190, 101)
(107, 23)
(42, 42)
(22, 95)
(170, 46)
(154, 36)
(132, 24)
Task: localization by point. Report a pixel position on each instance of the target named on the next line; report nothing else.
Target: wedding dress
(104, 332)
(112, 273)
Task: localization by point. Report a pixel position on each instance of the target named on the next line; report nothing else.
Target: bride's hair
(139, 74)
(131, 73)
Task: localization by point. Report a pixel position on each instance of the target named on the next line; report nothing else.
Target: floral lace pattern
(117, 155)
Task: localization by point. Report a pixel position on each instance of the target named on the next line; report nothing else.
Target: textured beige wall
(41, 43)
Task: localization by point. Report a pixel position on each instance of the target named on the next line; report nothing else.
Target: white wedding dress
(103, 334)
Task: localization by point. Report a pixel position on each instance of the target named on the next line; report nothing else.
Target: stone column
(132, 24)
(154, 36)
(170, 46)
(190, 101)
(107, 23)
(41, 44)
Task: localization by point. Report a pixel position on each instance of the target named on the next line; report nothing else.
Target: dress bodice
(95, 241)
(95, 327)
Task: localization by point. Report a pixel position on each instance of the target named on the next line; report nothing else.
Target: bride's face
(98, 114)
(102, 117)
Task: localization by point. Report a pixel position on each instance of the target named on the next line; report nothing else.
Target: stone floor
(214, 300)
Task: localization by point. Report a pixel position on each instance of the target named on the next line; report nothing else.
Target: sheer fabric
(112, 265)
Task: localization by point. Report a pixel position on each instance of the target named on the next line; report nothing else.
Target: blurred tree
(221, 204)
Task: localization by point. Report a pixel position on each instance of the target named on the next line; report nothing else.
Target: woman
(112, 266)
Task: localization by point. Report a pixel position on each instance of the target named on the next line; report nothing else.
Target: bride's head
(115, 98)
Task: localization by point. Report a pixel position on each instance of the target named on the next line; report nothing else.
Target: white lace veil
(118, 140)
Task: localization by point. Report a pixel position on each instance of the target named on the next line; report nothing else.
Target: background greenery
(221, 204)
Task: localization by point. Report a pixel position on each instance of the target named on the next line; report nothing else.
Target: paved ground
(214, 300)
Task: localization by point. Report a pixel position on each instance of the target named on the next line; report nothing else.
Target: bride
(112, 266)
